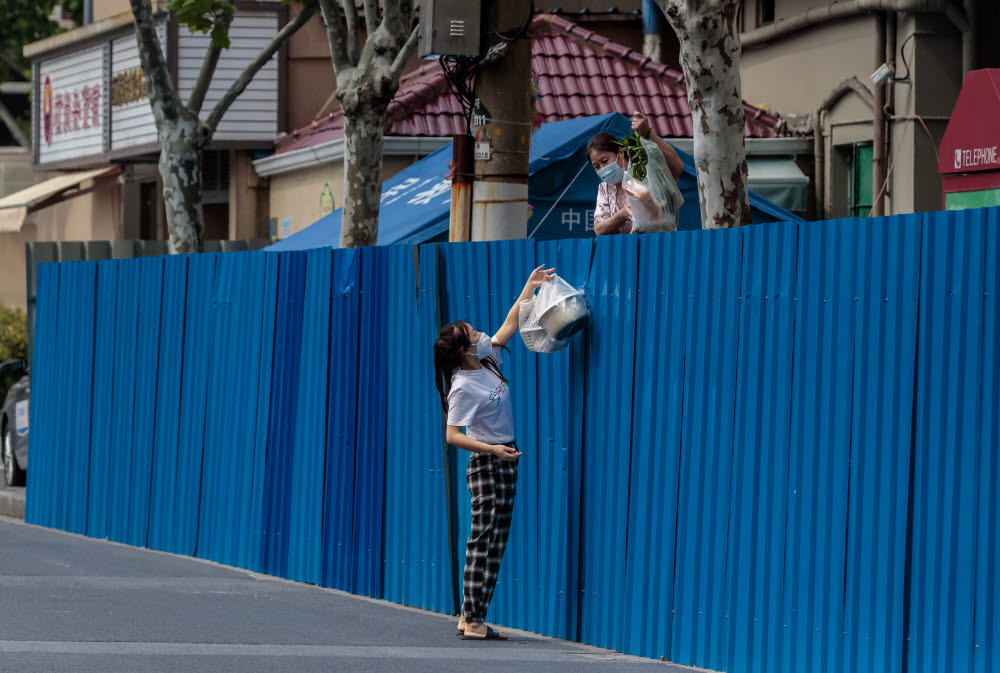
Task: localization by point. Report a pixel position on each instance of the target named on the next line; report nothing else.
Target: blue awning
(562, 193)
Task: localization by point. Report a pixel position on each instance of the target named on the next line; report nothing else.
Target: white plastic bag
(552, 316)
(656, 201)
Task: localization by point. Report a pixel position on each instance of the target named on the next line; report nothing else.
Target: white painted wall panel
(132, 124)
(254, 115)
(76, 103)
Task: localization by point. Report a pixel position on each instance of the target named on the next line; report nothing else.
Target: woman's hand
(539, 276)
(504, 452)
(512, 322)
(640, 124)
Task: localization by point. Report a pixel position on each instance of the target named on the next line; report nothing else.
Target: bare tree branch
(353, 39)
(397, 17)
(404, 55)
(371, 16)
(7, 118)
(262, 58)
(335, 36)
(368, 51)
(207, 72)
(161, 87)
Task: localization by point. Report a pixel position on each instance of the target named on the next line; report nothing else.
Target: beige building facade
(812, 61)
(809, 61)
(87, 73)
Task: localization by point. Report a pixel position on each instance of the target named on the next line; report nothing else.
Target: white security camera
(883, 74)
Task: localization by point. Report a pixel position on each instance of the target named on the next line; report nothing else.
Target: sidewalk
(11, 500)
(76, 604)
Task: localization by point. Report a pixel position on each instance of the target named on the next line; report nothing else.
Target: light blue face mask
(484, 348)
(612, 173)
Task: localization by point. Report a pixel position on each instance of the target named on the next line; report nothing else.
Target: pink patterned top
(611, 199)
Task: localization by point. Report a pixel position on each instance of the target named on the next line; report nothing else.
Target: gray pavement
(74, 604)
(11, 500)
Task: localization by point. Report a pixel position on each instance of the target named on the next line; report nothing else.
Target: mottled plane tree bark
(710, 56)
(183, 134)
(367, 79)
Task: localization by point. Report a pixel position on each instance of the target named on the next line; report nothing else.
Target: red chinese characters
(76, 109)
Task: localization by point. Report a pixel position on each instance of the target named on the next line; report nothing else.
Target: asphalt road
(74, 604)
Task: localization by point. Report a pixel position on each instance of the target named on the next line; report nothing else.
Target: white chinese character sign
(71, 110)
(71, 115)
(91, 104)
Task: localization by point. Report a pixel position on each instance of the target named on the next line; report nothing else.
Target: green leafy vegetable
(636, 154)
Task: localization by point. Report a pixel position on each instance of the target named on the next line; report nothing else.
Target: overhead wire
(520, 31)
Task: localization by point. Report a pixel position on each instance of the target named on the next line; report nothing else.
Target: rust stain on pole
(460, 220)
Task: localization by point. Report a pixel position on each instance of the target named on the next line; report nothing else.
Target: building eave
(757, 147)
(332, 151)
(89, 31)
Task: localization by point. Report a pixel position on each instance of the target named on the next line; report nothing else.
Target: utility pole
(460, 221)
(501, 125)
(653, 25)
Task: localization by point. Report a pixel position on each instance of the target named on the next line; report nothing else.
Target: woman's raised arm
(511, 324)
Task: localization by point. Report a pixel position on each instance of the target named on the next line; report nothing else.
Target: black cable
(521, 31)
(902, 56)
(460, 74)
(460, 71)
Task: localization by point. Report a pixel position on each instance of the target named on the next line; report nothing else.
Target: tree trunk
(183, 136)
(180, 170)
(363, 131)
(367, 79)
(710, 57)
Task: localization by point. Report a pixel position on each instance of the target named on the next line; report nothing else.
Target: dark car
(14, 422)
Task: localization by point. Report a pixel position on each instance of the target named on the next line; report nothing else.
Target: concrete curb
(12, 502)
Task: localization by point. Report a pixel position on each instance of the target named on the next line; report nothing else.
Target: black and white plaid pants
(492, 483)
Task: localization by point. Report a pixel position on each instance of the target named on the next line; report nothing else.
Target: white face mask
(484, 347)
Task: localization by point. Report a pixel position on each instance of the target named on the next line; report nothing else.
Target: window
(860, 196)
(148, 210)
(215, 177)
(765, 12)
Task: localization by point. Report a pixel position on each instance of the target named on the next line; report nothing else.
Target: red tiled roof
(577, 73)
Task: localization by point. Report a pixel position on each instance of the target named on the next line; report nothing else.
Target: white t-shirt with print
(480, 402)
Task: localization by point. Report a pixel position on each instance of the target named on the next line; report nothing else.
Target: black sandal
(491, 634)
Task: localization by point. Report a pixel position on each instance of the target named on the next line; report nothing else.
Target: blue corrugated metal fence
(774, 449)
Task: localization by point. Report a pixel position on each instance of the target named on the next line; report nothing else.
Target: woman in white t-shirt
(476, 396)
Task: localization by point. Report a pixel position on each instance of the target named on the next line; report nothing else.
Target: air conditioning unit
(449, 28)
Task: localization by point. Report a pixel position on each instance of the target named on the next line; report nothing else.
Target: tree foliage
(205, 16)
(27, 21)
(211, 17)
(13, 334)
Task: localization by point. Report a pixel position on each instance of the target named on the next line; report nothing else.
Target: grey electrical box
(449, 28)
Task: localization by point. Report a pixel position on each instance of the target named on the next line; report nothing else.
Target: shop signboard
(969, 157)
(72, 104)
(91, 104)
(132, 122)
(979, 198)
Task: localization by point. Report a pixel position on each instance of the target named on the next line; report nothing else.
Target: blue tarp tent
(562, 193)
